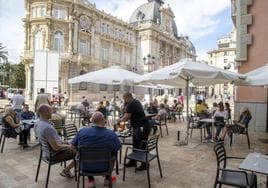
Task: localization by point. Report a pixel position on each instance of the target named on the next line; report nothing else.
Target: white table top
(207, 120)
(30, 121)
(255, 162)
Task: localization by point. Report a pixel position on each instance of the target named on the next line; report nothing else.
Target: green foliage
(12, 75)
(3, 53)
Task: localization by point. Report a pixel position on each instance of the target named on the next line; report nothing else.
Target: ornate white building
(224, 57)
(88, 39)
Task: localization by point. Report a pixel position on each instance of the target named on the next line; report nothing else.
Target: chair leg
(38, 168)
(1, 139)
(83, 181)
(201, 135)
(248, 140)
(160, 130)
(167, 129)
(75, 170)
(110, 181)
(159, 166)
(48, 173)
(3, 143)
(120, 156)
(124, 169)
(148, 174)
(215, 184)
(231, 139)
(191, 133)
(78, 180)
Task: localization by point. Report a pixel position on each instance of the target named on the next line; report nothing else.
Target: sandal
(66, 174)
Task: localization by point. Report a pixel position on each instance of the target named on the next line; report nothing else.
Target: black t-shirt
(137, 114)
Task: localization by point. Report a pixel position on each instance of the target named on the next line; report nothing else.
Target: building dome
(190, 46)
(149, 12)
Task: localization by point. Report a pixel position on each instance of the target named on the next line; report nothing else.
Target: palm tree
(3, 53)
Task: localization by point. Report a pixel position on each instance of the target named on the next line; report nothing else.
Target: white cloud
(11, 27)
(195, 18)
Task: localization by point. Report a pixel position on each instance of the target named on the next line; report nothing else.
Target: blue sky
(204, 21)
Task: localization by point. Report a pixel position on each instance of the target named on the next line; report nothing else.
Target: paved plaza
(183, 166)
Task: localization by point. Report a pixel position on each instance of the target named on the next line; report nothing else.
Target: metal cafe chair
(144, 156)
(93, 155)
(235, 178)
(50, 163)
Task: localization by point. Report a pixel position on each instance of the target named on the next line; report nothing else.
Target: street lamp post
(150, 60)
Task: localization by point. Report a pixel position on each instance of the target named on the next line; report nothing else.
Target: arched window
(59, 41)
(38, 41)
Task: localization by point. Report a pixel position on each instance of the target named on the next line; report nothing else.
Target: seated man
(52, 145)
(201, 109)
(156, 120)
(97, 136)
(26, 113)
(238, 126)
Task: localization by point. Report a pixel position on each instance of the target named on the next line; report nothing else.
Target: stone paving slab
(182, 166)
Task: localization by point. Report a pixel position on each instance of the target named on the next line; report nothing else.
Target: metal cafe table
(256, 162)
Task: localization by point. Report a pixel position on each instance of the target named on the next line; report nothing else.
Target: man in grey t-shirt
(52, 145)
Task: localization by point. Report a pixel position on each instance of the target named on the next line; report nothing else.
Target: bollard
(178, 135)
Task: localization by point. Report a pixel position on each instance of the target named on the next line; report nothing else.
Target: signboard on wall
(46, 72)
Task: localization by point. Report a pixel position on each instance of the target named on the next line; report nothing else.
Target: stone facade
(224, 57)
(88, 39)
(254, 12)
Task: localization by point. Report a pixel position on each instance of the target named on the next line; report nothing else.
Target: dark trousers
(139, 134)
(219, 125)
(24, 136)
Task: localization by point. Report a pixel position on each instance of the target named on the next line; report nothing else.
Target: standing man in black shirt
(140, 125)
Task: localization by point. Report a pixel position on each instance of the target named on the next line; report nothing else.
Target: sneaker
(66, 174)
(90, 184)
(107, 182)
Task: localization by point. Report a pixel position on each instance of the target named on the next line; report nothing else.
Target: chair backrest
(220, 152)
(69, 131)
(163, 118)
(152, 143)
(93, 155)
(58, 124)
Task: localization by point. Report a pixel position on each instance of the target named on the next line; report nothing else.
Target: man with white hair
(100, 137)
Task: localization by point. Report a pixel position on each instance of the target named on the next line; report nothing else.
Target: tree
(17, 77)
(3, 54)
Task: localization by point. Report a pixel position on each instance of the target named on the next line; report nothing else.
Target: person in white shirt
(17, 102)
(41, 98)
(220, 116)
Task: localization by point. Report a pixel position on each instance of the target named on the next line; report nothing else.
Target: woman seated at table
(156, 119)
(12, 127)
(220, 116)
(26, 113)
(238, 126)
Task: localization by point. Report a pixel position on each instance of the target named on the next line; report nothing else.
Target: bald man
(51, 142)
(100, 137)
